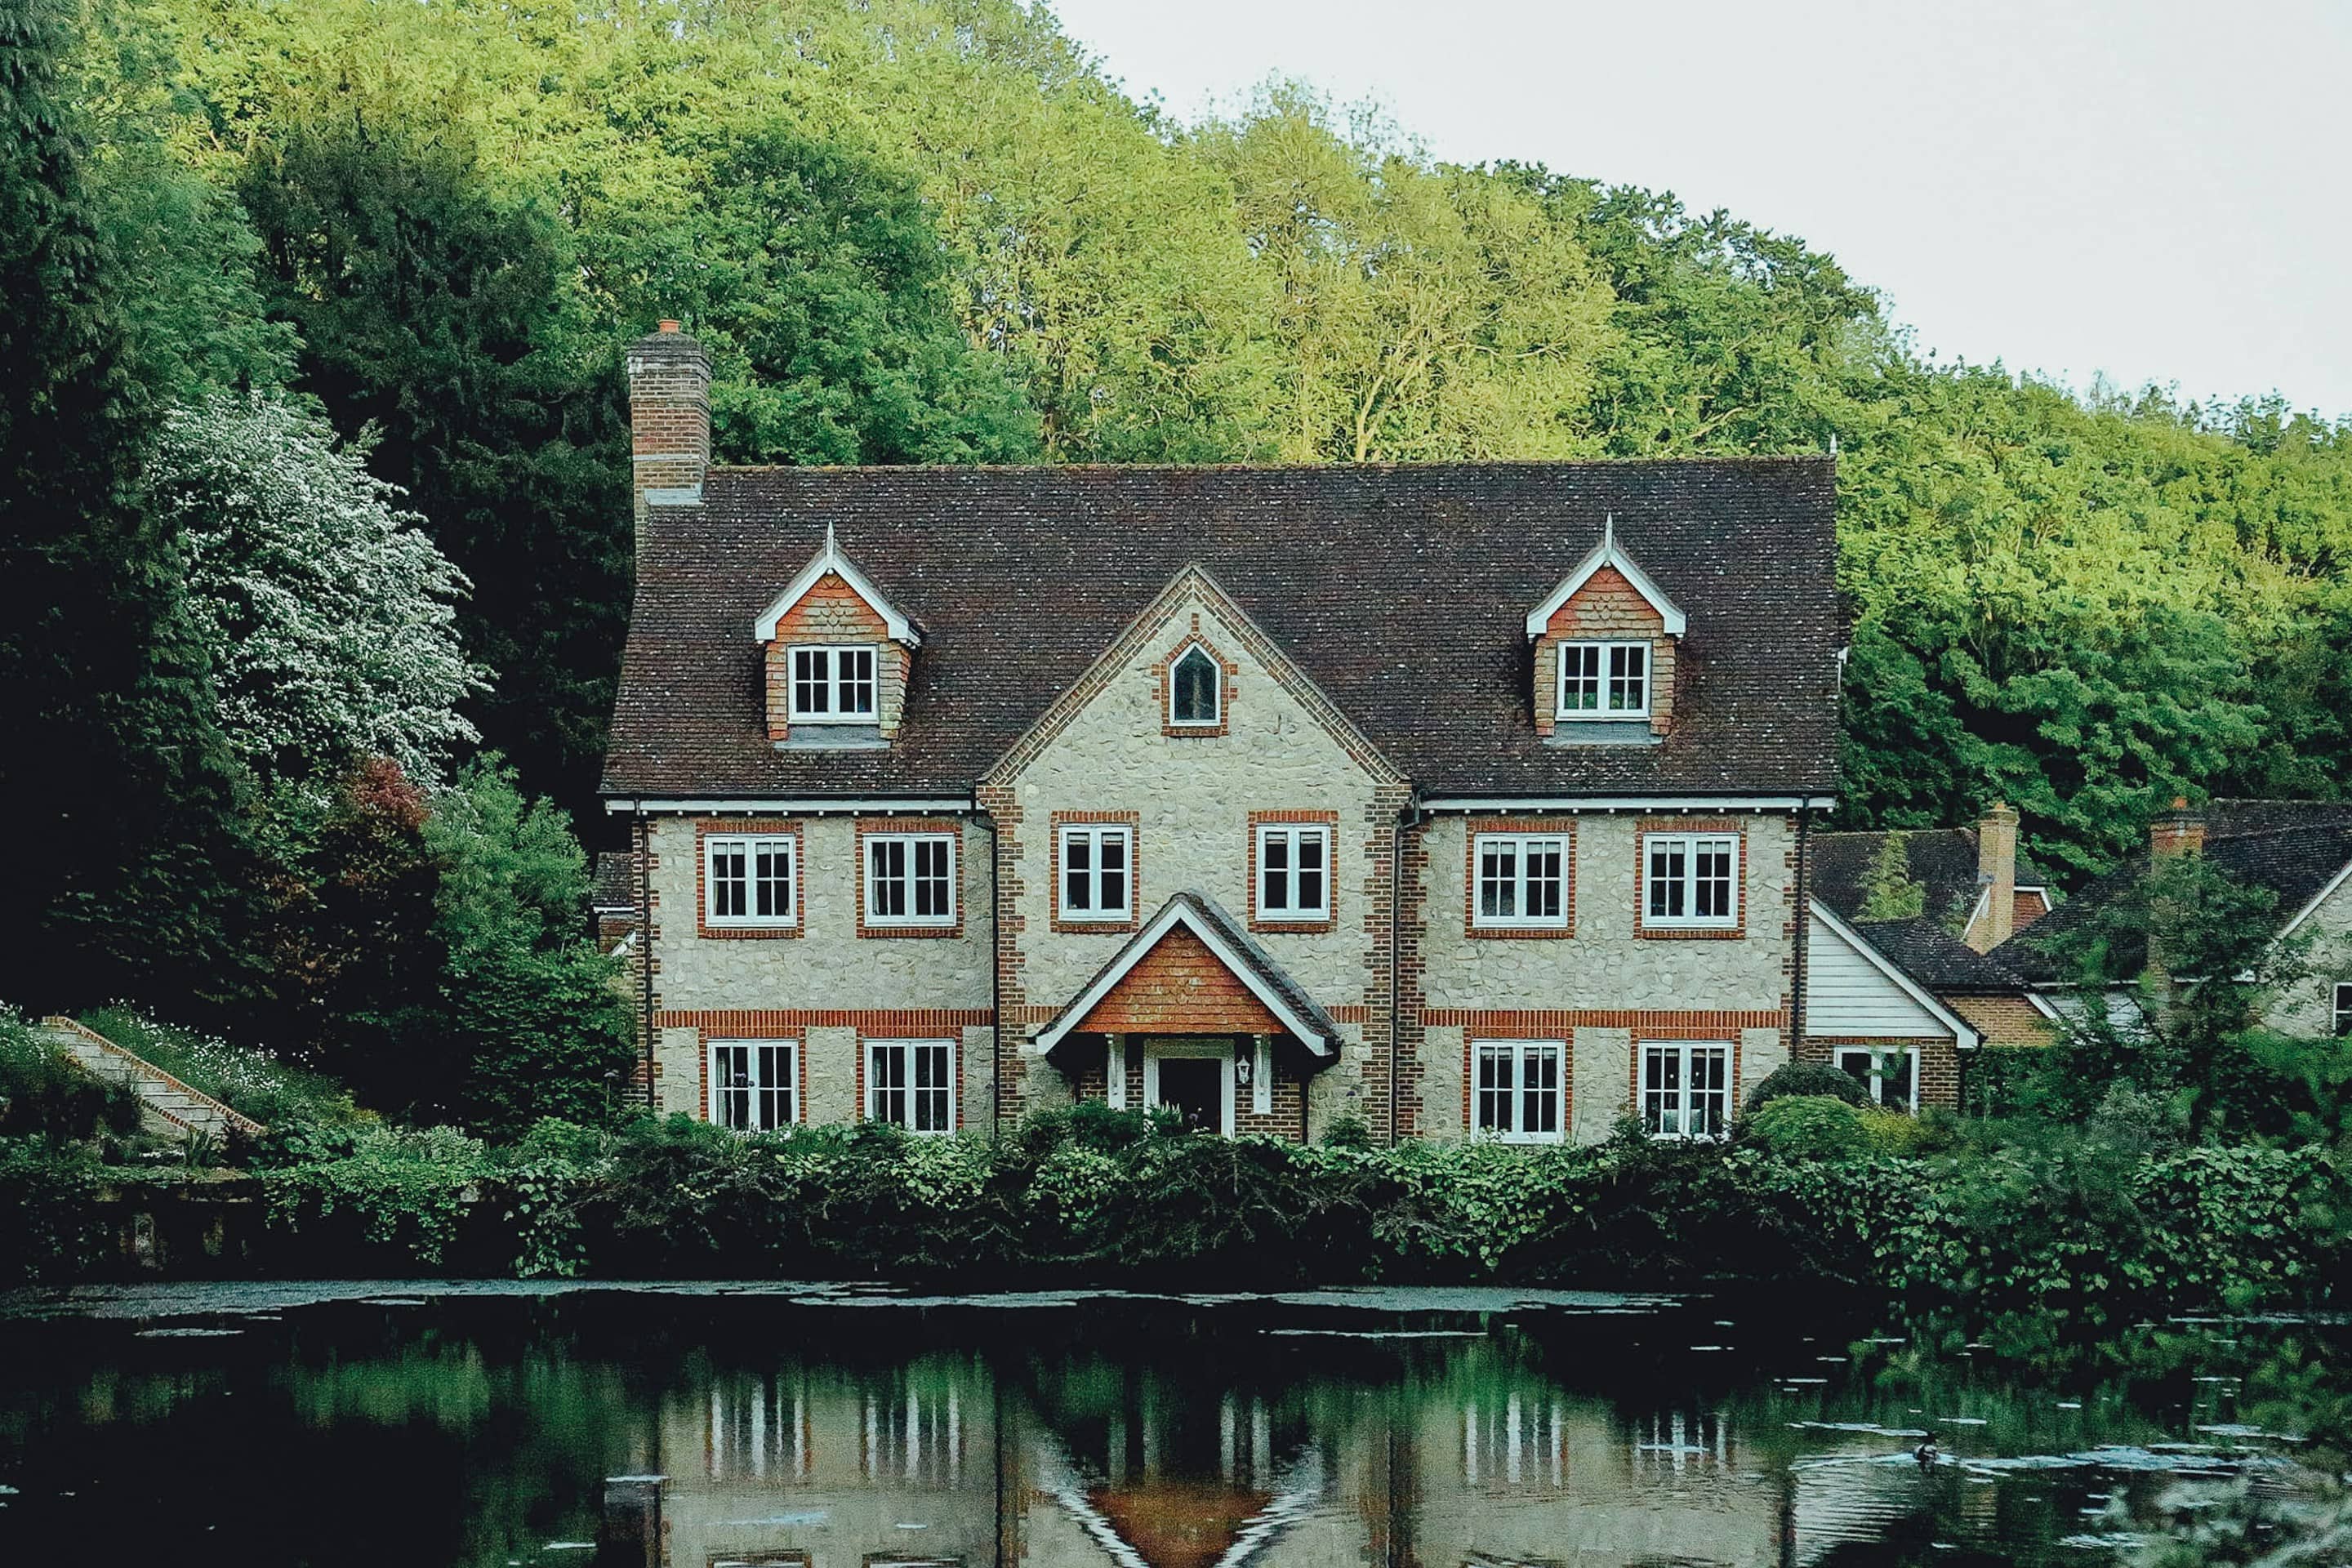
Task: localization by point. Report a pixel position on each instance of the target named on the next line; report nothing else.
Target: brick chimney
(669, 417)
(1997, 874)
(2179, 831)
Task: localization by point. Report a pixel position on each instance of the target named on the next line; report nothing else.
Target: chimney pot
(668, 326)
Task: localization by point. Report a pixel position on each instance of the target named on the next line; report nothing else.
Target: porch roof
(1266, 991)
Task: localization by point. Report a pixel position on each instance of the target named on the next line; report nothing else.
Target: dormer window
(1193, 696)
(833, 685)
(1604, 681)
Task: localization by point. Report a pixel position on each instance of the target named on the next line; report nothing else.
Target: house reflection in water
(953, 1461)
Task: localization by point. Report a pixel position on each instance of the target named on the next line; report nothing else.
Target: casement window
(1517, 1097)
(1687, 1089)
(1522, 881)
(751, 881)
(755, 1086)
(833, 685)
(911, 1083)
(1691, 879)
(910, 879)
(1195, 689)
(1098, 872)
(2343, 1007)
(1604, 681)
(1890, 1075)
(1294, 871)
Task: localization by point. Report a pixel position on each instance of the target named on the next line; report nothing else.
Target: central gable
(1194, 679)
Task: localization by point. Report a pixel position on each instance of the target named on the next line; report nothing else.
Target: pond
(831, 1428)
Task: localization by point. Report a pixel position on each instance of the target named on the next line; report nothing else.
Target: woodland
(315, 553)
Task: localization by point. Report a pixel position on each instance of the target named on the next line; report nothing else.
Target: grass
(243, 1077)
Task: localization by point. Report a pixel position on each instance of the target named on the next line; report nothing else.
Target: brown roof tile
(1402, 592)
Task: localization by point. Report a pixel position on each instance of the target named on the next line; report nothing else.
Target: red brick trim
(1668, 826)
(1546, 1023)
(1133, 823)
(757, 827)
(1228, 687)
(784, 1022)
(798, 1041)
(1329, 821)
(1561, 827)
(893, 826)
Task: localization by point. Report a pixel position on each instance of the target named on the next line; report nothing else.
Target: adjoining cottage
(2299, 850)
(1453, 799)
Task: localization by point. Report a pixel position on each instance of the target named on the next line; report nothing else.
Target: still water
(816, 1429)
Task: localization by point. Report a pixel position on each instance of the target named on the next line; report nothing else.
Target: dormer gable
(837, 656)
(1606, 645)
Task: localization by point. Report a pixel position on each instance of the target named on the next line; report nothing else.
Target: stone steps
(165, 1104)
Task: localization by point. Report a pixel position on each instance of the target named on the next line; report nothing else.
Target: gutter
(1407, 820)
(797, 805)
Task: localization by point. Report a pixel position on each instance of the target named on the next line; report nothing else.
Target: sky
(2142, 189)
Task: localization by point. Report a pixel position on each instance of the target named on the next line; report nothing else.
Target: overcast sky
(2155, 190)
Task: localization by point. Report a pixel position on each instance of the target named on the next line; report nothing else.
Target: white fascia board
(1606, 553)
(820, 806)
(1753, 803)
(2311, 907)
(1963, 1037)
(1176, 914)
(831, 560)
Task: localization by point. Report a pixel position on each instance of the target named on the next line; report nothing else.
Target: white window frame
(1219, 1051)
(759, 1055)
(1516, 1057)
(1094, 833)
(1685, 1052)
(2343, 1000)
(1291, 835)
(1687, 882)
(1216, 690)
(1611, 676)
(912, 844)
(1874, 1076)
(1517, 844)
(752, 846)
(879, 1094)
(835, 683)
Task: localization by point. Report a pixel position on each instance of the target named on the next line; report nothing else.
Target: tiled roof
(1933, 956)
(1402, 592)
(1942, 861)
(616, 888)
(2292, 847)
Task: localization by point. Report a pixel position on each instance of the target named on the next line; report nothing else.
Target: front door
(1196, 1087)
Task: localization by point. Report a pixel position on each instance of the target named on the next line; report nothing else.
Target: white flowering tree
(332, 619)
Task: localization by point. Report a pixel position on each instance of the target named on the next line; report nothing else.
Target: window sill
(1519, 933)
(1692, 933)
(815, 735)
(1281, 924)
(725, 933)
(866, 929)
(1580, 731)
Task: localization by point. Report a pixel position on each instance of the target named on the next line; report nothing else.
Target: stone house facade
(1453, 800)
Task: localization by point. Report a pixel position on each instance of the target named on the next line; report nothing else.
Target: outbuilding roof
(1402, 592)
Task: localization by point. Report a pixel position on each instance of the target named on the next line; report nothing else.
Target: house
(1901, 1003)
(612, 900)
(2301, 852)
(1452, 799)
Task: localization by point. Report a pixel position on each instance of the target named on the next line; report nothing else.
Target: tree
(329, 619)
(440, 315)
(1889, 891)
(531, 1006)
(116, 784)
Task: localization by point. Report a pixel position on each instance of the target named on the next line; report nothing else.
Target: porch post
(1114, 1070)
(1262, 1075)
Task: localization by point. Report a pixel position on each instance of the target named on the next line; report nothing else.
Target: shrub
(1809, 1127)
(45, 1093)
(1807, 1078)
